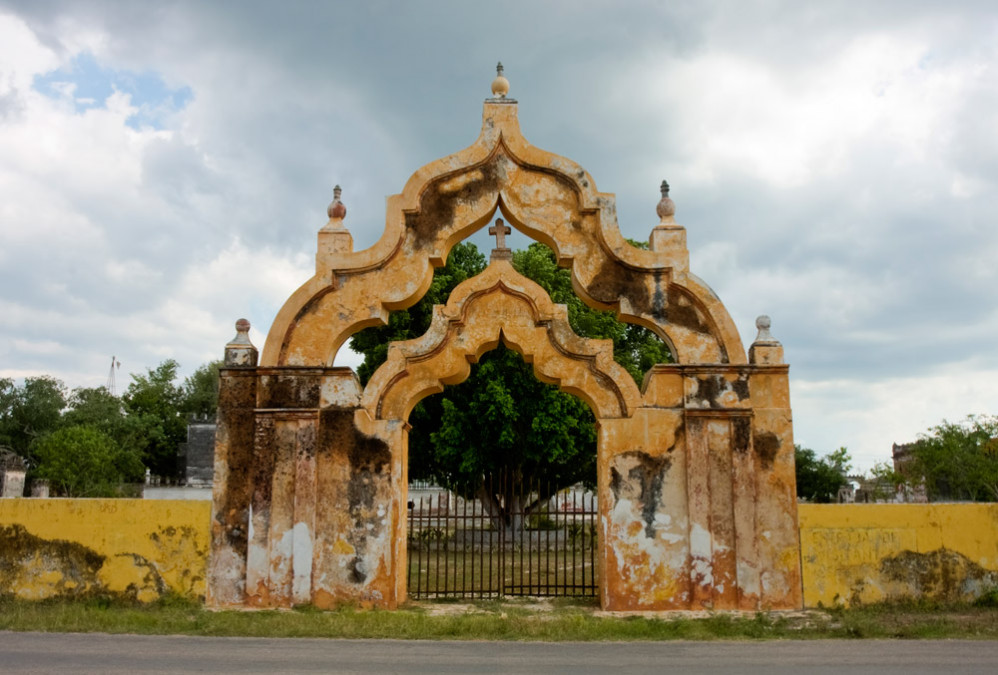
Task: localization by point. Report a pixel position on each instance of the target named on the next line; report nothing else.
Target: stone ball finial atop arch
(547, 197)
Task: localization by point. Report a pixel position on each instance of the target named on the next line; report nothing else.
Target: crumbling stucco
(695, 468)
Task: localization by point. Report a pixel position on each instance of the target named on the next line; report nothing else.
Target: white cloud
(868, 417)
(836, 167)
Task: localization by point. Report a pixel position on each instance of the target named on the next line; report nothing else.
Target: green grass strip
(497, 621)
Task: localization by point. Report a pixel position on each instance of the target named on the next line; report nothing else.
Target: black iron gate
(521, 542)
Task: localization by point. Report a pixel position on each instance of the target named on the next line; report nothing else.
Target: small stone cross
(500, 230)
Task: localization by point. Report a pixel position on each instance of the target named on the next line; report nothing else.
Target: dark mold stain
(941, 574)
(291, 390)
(437, 208)
(671, 306)
(658, 299)
(369, 459)
(711, 387)
(613, 281)
(22, 552)
(741, 435)
(682, 311)
(357, 575)
(152, 579)
(643, 483)
(236, 431)
(264, 461)
(767, 444)
(173, 542)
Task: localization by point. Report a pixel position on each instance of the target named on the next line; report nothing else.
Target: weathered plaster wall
(142, 548)
(860, 553)
(134, 548)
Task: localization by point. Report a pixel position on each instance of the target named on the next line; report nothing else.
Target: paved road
(97, 653)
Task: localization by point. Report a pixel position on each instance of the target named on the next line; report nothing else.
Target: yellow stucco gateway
(695, 471)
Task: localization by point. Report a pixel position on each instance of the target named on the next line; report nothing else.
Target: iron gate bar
(548, 551)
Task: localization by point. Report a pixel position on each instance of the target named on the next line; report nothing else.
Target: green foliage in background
(89, 427)
(502, 420)
(819, 479)
(957, 461)
(80, 461)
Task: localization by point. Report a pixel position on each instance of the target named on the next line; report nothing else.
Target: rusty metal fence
(518, 542)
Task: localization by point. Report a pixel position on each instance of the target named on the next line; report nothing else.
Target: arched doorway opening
(502, 480)
(497, 309)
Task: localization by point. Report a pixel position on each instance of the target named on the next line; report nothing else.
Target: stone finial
(500, 85)
(336, 207)
(666, 208)
(763, 323)
(242, 333)
(240, 351)
(766, 350)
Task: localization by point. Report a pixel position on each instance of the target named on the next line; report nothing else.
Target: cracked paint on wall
(695, 468)
(130, 548)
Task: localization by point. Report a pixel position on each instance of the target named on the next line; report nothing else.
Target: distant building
(197, 455)
(12, 473)
(903, 458)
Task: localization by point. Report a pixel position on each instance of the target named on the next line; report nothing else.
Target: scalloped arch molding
(695, 470)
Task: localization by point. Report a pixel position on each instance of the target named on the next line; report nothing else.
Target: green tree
(154, 405)
(957, 460)
(463, 262)
(201, 391)
(29, 411)
(502, 421)
(634, 347)
(887, 482)
(80, 461)
(95, 407)
(819, 480)
(505, 437)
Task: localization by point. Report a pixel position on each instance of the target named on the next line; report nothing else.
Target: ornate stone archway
(695, 470)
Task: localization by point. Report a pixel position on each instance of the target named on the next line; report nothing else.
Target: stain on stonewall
(437, 207)
(767, 444)
(235, 432)
(941, 574)
(613, 281)
(370, 468)
(710, 389)
(643, 483)
(25, 558)
(741, 435)
(290, 390)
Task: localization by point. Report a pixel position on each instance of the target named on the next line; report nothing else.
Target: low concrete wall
(861, 553)
(78, 547)
(145, 548)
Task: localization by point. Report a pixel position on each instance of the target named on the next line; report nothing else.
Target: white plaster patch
(700, 540)
(301, 589)
(703, 571)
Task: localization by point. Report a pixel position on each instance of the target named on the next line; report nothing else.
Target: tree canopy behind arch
(502, 421)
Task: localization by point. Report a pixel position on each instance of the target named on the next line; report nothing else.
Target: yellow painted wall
(144, 548)
(860, 553)
(75, 547)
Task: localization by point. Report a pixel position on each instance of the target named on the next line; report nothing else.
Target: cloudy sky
(164, 168)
